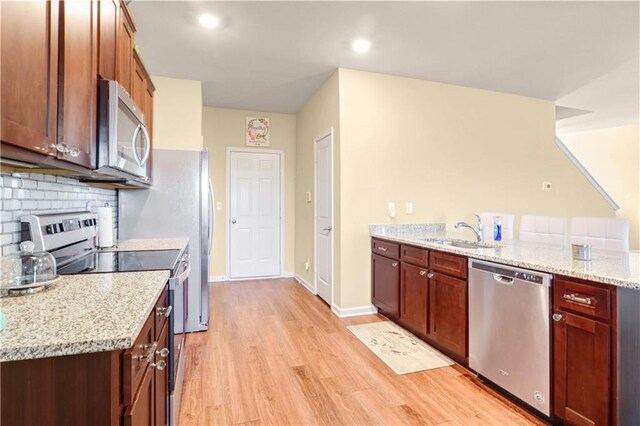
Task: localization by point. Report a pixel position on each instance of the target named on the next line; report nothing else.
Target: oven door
(131, 146)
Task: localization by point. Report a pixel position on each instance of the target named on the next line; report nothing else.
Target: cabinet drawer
(161, 312)
(138, 358)
(386, 248)
(583, 298)
(448, 264)
(414, 255)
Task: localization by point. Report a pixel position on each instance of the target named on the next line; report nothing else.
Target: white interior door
(324, 219)
(254, 214)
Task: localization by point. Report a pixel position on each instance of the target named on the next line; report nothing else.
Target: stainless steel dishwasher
(509, 330)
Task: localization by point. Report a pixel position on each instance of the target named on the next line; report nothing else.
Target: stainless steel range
(71, 239)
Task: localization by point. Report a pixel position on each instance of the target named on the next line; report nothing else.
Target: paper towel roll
(105, 226)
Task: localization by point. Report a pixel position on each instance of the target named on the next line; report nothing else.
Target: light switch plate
(391, 209)
(307, 196)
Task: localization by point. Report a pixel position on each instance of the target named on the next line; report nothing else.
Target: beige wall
(319, 114)
(177, 114)
(612, 157)
(451, 151)
(222, 128)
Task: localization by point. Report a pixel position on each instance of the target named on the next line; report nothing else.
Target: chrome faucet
(478, 230)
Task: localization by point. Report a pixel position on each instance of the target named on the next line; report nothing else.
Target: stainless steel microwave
(123, 141)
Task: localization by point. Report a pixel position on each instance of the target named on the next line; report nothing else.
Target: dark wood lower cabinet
(413, 296)
(162, 379)
(582, 370)
(385, 283)
(448, 313)
(142, 411)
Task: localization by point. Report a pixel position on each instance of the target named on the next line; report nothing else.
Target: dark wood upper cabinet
(108, 15)
(448, 313)
(413, 296)
(29, 55)
(138, 83)
(385, 283)
(78, 81)
(124, 63)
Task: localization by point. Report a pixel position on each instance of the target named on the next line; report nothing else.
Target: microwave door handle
(147, 145)
(133, 144)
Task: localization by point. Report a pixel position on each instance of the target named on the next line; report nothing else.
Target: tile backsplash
(35, 193)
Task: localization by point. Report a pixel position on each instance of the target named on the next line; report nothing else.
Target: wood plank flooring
(276, 355)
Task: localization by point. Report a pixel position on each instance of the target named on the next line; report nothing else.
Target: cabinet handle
(577, 299)
(149, 355)
(394, 264)
(164, 311)
(382, 248)
(164, 352)
(423, 273)
(160, 365)
(430, 275)
(557, 317)
(64, 149)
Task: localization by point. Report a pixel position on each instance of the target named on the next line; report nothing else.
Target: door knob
(233, 221)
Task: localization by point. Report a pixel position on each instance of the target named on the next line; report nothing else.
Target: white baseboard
(288, 275)
(354, 312)
(217, 278)
(223, 278)
(303, 283)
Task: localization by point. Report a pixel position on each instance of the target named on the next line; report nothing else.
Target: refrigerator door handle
(212, 216)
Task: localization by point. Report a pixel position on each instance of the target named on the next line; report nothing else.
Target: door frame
(315, 214)
(280, 153)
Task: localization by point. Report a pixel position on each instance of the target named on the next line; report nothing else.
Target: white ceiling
(272, 56)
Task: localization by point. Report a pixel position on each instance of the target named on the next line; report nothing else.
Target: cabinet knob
(430, 275)
(557, 317)
(164, 311)
(423, 273)
(160, 365)
(394, 264)
(164, 352)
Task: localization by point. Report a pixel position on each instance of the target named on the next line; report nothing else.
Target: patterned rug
(400, 350)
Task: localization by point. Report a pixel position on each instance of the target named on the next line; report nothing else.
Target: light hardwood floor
(276, 355)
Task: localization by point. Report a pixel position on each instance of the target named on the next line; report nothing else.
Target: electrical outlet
(307, 265)
(307, 197)
(409, 207)
(218, 205)
(546, 186)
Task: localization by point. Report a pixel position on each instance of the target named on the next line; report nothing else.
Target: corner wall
(319, 114)
(612, 157)
(222, 128)
(177, 114)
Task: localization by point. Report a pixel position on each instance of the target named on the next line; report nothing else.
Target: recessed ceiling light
(209, 21)
(361, 45)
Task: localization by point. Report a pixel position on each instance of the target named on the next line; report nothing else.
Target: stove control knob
(49, 229)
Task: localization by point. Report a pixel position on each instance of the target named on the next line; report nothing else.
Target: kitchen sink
(461, 243)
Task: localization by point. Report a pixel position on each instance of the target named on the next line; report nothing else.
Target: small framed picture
(257, 131)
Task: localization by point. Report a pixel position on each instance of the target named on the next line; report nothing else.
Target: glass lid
(28, 268)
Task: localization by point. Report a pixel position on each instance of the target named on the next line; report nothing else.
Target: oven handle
(182, 277)
(133, 144)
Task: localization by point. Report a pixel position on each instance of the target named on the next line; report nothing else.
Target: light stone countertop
(608, 267)
(141, 244)
(79, 314)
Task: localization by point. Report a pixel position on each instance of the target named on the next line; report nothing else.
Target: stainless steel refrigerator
(178, 204)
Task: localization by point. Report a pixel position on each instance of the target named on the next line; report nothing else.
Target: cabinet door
(124, 64)
(138, 86)
(582, 370)
(162, 378)
(142, 411)
(385, 280)
(29, 55)
(107, 36)
(79, 81)
(413, 296)
(448, 313)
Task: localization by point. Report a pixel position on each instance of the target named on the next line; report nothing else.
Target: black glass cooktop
(122, 261)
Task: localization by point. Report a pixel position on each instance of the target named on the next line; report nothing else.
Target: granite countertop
(149, 244)
(79, 314)
(608, 267)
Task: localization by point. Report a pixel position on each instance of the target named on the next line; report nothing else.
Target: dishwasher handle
(503, 280)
